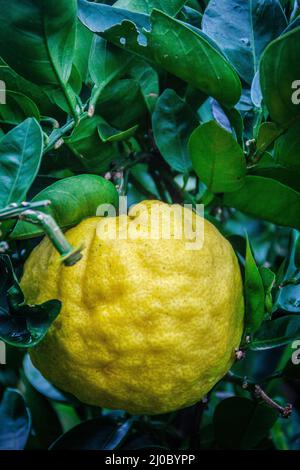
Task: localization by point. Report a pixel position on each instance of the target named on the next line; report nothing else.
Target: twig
(285, 411)
(70, 255)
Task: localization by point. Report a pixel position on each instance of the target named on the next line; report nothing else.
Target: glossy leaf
(18, 107)
(40, 384)
(267, 199)
(279, 68)
(217, 158)
(15, 421)
(37, 39)
(107, 62)
(288, 297)
(108, 133)
(148, 79)
(243, 29)
(267, 134)
(83, 44)
(18, 84)
(254, 293)
(122, 105)
(22, 325)
(276, 333)
(96, 434)
(20, 157)
(171, 7)
(173, 122)
(93, 155)
(72, 200)
(287, 148)
(186, 53)
(250, 422)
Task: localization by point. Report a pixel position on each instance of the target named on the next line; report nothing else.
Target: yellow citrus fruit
(147, 325)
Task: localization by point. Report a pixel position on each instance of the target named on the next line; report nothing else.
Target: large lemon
(147, 324)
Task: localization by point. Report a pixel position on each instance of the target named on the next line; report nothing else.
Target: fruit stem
(69, 254)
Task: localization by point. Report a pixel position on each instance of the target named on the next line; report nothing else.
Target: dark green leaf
(276, 333)
(243, 29)
(250, 423)
(96, 434)
(72, 200)
(173, 122)
(122, 105)
(15, 421)
(40, 384)
(171, 7)
(217, 158)
(267, 134)
(267, 199)
(279, 69)
(107, 62)
(289, 296)
(20, 157)
(93, 155)
(18, 84)
(83, 44)
(254, 293)
(148, 79)
(108, 133)
(37, 39)
(192, 57)
(46, 426)
(18, 107)
(287, 148)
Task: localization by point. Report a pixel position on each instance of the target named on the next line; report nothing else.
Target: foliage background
(184, 101)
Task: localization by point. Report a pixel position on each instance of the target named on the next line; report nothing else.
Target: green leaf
(108, 133)
(267, 134)
(18, 107)
(217, 158)
(279, 68)
(174, 46)
(23, 325)
(20, 157)
(243, 29)
(267, 199)
(254, 293)
(190, 56)
(148, 79)
(72, 200)
(83, 44)
(287, 148)
(276, 333)
(122, 105)
(289, 296)
(39, 383)
(173, 122)
(16, 83)
(97, 434)
(15, 421)
(250, 422)
(286, 176)
(171, 7)
(37, 39)
(107, 62)
(297, 253)
(92, 154)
